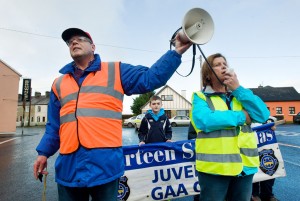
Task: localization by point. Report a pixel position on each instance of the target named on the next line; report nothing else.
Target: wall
(285, 109)
(9, 86)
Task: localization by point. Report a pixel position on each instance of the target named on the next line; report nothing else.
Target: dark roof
(276, 94)
(36, 100)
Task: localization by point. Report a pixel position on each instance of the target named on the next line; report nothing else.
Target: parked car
(138, 120)
(271, 119)
(296, 118)
(180, 121)
(129, 122)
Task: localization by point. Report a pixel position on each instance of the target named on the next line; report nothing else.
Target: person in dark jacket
(192, 134)
(155, 126)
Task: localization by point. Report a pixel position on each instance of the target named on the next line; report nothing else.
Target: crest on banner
(268, 161)
(124, 190)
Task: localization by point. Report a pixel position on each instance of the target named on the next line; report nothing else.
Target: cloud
(137, 32)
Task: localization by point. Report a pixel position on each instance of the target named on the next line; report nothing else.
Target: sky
(259, 38)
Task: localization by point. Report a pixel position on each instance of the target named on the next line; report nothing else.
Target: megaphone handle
(173, 38)
(193, 63)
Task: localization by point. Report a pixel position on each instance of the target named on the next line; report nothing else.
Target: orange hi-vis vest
(91, 114)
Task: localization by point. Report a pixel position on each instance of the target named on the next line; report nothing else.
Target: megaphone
(197, 27)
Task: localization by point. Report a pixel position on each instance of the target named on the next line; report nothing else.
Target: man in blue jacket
(87, 168)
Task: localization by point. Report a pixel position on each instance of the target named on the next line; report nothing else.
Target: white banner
(162, 171)
(271, 162)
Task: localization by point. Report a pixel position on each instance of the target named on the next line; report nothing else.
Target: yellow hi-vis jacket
(91, 114)
(225, 152)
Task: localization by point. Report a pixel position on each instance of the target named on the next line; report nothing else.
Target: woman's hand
(230, 80)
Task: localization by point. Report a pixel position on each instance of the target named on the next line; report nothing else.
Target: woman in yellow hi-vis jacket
(226, 146)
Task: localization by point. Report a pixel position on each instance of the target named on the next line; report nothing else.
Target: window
(292, 110)
(20, 118)
(167, 97)
(31, 119)
(44, 119)
(168, 113)
(278, 110)
(182, 113)
(38, 119)
(140, 116)
(39, 108)
(185, 118)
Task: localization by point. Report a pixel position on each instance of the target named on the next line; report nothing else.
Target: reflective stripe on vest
(233, 148)
(91, 114)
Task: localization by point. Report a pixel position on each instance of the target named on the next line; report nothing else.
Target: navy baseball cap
(69, 33)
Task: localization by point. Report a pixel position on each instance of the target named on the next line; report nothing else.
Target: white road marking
(289, 145)
(8, 140)
(287, 133)
(292, 163)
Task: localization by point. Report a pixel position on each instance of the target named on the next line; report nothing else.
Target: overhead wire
(108, 45)
(144, 50)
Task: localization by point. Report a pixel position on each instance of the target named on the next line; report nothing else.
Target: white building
(173, 103)
(37, 115)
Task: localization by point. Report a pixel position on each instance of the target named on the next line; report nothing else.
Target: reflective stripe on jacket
(227, 151)
(91, 114)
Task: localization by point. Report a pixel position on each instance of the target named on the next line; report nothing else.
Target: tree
(140, 101)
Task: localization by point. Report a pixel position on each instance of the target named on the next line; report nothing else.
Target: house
(37, 115)
(9, 87)
(283, 102)
(173, 103)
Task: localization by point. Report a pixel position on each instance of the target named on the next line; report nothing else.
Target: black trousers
(263, 189)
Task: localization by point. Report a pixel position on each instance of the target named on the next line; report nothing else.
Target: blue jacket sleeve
(207, 120)
(49, 143)
(141, 79)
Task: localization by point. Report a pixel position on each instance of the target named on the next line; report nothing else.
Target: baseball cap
(69, 33)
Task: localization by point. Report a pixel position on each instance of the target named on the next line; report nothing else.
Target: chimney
(19, 97)
(37, 94)
(47, 93)
(183, 93)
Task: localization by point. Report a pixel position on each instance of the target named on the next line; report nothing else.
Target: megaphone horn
(197, 27)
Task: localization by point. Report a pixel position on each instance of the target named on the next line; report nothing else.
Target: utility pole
(23, 119)
(29, 108)
(26, 96)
